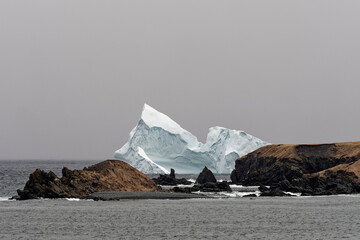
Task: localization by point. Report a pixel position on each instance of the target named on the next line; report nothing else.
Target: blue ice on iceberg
(158, 143)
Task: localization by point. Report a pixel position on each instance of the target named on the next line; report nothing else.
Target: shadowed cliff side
(109, 175)
(320, 169)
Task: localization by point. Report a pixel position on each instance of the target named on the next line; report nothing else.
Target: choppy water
(330, 217)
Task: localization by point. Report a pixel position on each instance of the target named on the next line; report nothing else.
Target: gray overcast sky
(74, 75)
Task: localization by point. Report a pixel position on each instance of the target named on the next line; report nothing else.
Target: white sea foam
(228, 194)
(241, 188)
(73, 199)
(293, 194)
(238, 194)
(167, 187)
(5, 199)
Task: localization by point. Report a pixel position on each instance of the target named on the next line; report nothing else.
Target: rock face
(171, 180)
(206, 176)
(109, 175)
(320, 169)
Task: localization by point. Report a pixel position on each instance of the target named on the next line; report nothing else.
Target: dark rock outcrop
(271, 191)
(263, 188)
(274, 192)
(206, 182)
(206, 176)
(321, 169)
(171, 180)
(109, 175)
(172, 173)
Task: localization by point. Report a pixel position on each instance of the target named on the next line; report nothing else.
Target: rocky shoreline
(279, 170)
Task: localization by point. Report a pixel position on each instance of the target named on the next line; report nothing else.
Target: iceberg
(158, 143)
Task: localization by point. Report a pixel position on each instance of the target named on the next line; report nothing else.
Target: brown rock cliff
(314, 169)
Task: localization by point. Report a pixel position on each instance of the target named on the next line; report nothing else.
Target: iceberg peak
(154, 118)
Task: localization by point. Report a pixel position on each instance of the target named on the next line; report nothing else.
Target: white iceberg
(158, 143)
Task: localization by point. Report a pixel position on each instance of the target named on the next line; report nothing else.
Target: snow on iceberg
(158, 143)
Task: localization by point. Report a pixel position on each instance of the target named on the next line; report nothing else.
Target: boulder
(206, 176)
(274, 193)
(109, 175)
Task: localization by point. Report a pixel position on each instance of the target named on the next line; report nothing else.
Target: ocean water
(328, 217)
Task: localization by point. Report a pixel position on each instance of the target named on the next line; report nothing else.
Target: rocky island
(317, 169)
(109, 175)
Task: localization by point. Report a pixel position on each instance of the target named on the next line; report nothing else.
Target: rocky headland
(109, 175)
(316, 169)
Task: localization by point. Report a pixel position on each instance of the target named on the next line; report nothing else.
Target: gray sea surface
(326, 217)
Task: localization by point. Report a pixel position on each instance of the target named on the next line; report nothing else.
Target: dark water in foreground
(242, 218)
(330, 217)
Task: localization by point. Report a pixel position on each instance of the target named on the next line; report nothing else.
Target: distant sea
(326, 217)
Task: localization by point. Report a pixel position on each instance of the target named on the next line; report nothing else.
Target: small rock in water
(276, 192)
(172, 173)
(206, 176)
(250, 195)
(263, 188)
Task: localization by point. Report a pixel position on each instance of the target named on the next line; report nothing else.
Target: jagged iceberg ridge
(158, 143)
